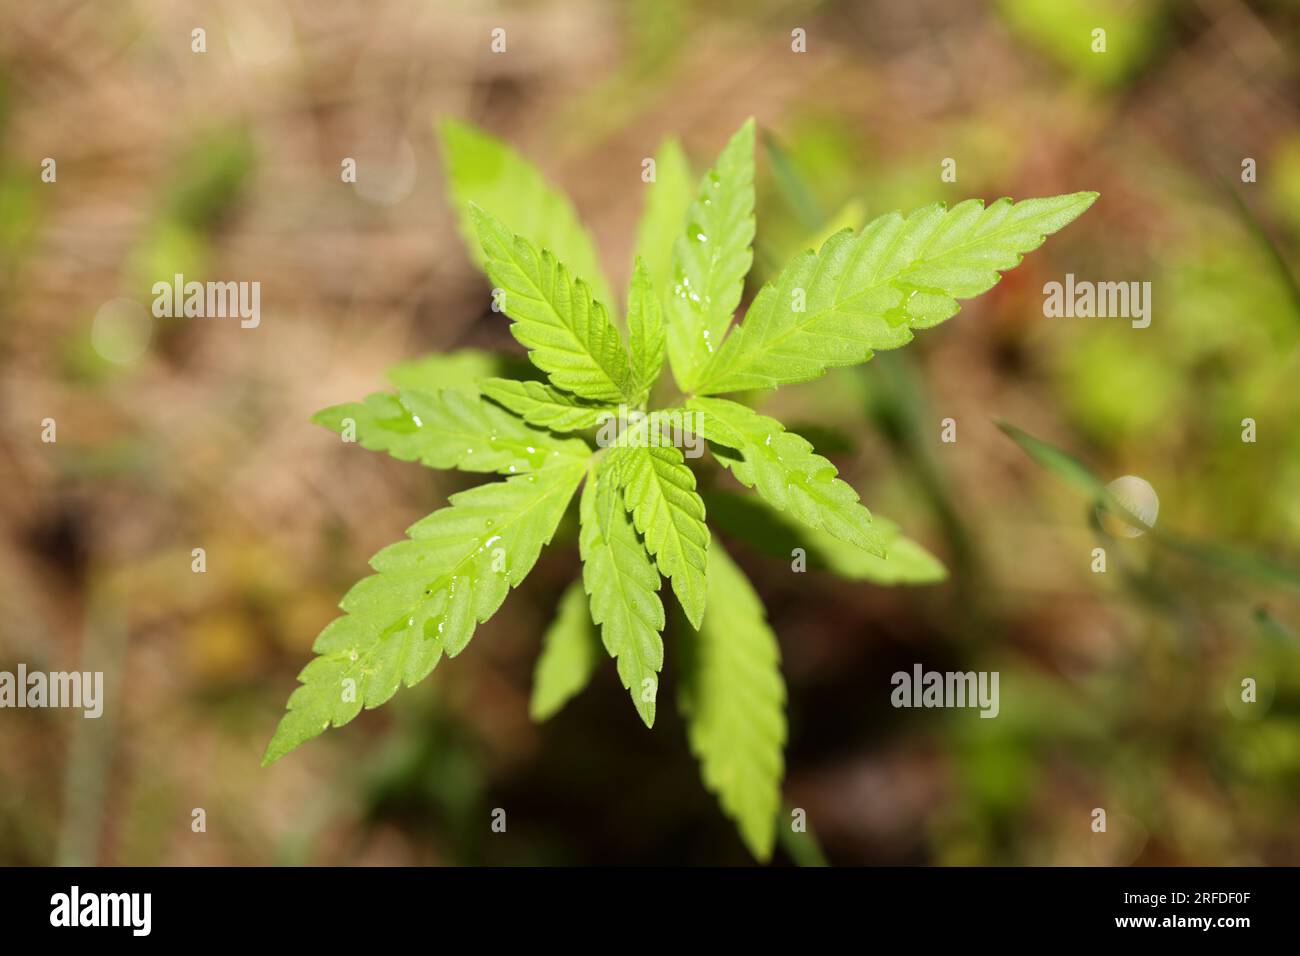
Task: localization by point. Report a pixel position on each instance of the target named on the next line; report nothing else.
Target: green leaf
(484, 171)
(869, 290)
(645, 329)
(621, 580)
(567, 332)
(428, 594)
(775, 533)
(543, 405)
(570, 653)
(905, 561)
(783, 468)
(711, 259)
(664, 218)
(460, 370)
(659, 490)
(449, 429)
(733, 699)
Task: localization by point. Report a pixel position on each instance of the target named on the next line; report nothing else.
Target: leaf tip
(1086, 198)
(485, 225)
(539, 711)
(274, 750)
(694, 613)
(760, 846)
(447, 127)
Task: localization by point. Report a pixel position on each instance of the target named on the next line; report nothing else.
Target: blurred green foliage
(1064, 31)
(205, 185)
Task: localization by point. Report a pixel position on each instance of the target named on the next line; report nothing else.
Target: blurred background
(1119, 690)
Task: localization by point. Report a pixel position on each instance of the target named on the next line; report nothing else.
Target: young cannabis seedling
(640, 515)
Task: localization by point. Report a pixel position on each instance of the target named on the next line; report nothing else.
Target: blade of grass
(1265, 240)
(1272, 627)
(1220, 557)
(792, 186)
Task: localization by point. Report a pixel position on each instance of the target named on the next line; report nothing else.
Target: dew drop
(1136, 496)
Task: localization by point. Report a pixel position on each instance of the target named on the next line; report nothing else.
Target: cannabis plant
(640, 515)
